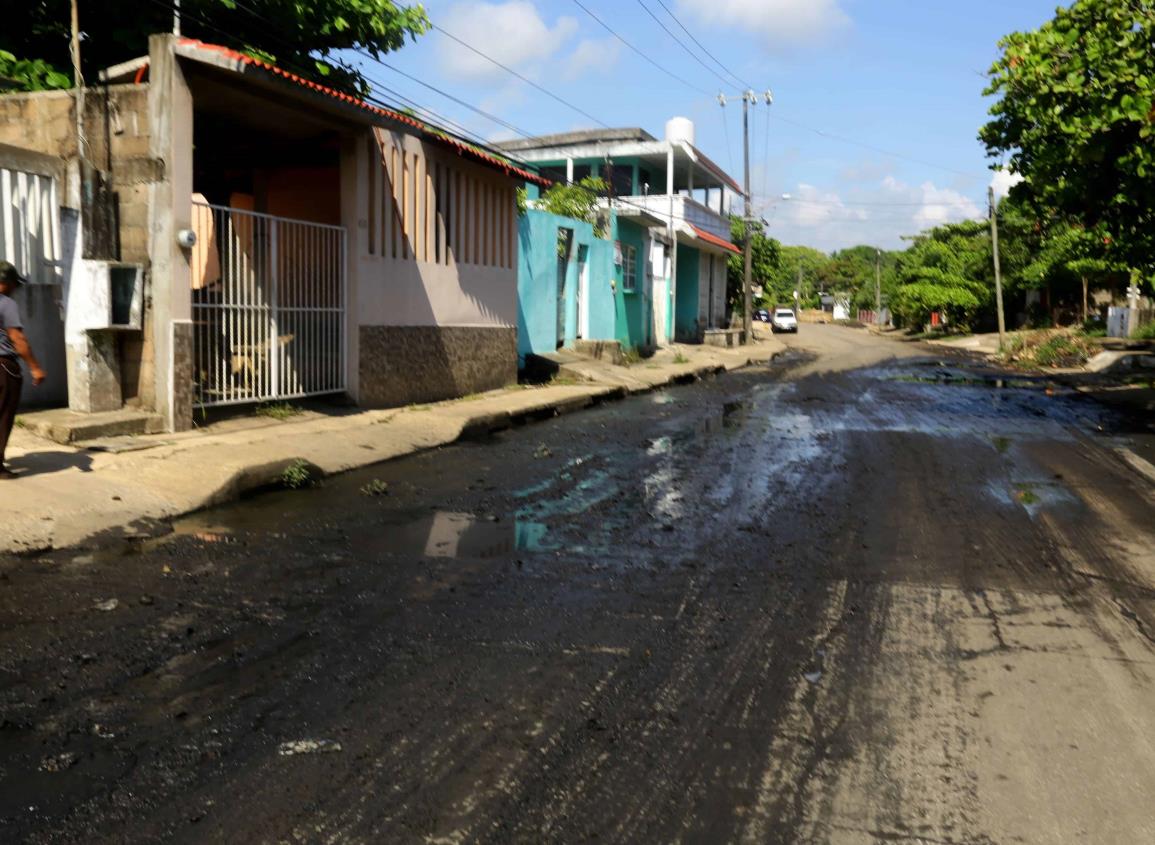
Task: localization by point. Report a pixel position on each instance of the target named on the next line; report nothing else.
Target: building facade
(235, 234)
(670, 203)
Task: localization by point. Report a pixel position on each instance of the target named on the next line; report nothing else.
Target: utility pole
(747, 225)
(998, 272)
(78, 81)
(878, 287)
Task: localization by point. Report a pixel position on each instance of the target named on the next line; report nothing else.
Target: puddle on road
(960, 380)
(1032, 496)
(433, 534)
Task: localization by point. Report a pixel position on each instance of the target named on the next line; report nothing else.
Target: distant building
(670, 234)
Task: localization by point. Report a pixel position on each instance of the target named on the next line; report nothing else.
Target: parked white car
(784, 321)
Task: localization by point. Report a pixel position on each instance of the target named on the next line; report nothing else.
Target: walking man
(13, 347)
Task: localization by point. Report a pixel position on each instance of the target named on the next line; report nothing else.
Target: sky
(877, 103)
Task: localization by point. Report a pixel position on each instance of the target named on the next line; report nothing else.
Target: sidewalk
(130, 486)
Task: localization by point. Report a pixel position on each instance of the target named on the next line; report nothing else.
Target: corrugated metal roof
(427, 130)
(714, 239)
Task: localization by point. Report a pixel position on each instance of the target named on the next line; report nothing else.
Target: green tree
(763, 266)
(1068, 258)
(1076, 116)
(301, 35)
(945, 269)
(578, 200)
(800, 268)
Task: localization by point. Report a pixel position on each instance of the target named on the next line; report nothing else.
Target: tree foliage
(764, 264)
(578, 200)
(1076, 116)
(946, 269)
(301, 35)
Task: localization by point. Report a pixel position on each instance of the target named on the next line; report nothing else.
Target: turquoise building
(669, 237)
(573, 285)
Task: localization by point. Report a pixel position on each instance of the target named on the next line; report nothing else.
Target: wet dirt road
(862, 595)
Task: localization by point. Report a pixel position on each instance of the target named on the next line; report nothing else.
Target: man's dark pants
(9, 398)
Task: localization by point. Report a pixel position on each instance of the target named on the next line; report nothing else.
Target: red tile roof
(427, 130)
(715, 240)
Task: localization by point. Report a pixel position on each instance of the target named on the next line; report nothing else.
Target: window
(645, 179)
(629, 268)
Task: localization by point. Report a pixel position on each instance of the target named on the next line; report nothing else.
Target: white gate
(31, 238)
(268, 307)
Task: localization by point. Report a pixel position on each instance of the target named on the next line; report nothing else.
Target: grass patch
(376, 487)
(1026, 495)
(20, 422)
(1002, 444)
(681, 359)
(278, 411)
(631, 356)
(416, 407)
(297, 475)
(1146, 332)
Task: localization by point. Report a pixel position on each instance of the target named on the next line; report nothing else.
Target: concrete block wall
(116, 122)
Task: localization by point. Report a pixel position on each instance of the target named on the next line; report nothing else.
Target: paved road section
(862, 595)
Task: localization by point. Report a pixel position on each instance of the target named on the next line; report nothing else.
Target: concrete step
(61, 425)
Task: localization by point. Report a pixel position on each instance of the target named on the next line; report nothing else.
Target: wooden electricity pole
(747, 226)
(998, 272)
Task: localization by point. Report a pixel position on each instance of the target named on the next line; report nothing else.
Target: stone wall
(400, 365)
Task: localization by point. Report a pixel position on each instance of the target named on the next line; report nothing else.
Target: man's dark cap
(10, 275)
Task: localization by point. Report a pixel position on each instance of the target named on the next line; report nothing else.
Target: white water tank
(680, 129)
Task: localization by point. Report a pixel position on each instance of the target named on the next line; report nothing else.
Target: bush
(1049, 348)
(1146, 332)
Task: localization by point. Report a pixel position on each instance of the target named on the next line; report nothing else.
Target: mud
(861, 595)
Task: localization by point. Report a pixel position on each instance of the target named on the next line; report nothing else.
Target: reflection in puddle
(961, 380)
(451, 534)
(662, 398)
(437, 534)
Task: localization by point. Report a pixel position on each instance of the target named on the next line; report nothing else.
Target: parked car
(784, 321)
(763, 315)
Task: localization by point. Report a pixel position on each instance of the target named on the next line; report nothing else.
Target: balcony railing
(686, 209)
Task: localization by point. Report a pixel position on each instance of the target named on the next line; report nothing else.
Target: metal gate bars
(268, 309)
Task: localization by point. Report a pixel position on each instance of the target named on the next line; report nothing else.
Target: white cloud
(1003, 181)
(938, 205)
(881, 215)
(597, 55)
(513, 33)
(781, 22)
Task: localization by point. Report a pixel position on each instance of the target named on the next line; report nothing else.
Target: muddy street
(863, 594)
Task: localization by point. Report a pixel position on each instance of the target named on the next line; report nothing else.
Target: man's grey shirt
(9, 319)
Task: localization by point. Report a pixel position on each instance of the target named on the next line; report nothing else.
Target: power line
(681, 43)
(464, 136)
(702, 46)
(871, 147)
(524, 79)
(930, 203)
(664, 70)
(449, 96)
(363, 52)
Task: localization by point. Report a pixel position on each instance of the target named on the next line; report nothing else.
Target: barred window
(629, 267)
